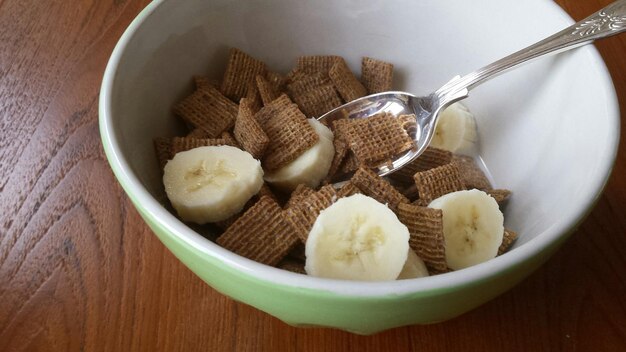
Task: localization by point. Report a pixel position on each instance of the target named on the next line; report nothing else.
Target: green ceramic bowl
(535, 136)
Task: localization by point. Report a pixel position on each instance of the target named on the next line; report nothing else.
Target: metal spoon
(609, 21)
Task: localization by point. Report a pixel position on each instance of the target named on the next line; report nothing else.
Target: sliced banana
(456, 130)
(473, 227)
(414, 267)
(311, 167)
(209, 184)
(357, 238)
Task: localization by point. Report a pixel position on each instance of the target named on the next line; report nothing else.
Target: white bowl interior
(547, 130)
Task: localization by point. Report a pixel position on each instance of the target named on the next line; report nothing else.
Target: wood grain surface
(80, 271)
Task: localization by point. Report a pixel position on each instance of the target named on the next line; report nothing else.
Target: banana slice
(414, 267)
(357, 238)
(473, 227)
(209, 184)
(311, 167)
(455, 130)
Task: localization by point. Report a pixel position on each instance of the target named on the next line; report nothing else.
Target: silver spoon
(609, 21)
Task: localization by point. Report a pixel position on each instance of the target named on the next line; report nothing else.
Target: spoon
(609, 21)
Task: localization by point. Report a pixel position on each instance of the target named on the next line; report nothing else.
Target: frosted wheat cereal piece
(266, 112)
(375, 139)
(290, 135)
(295, 266)
(197, 133)
(303, 214)
(471, 174)
(241, 71)
(317, 63)
(314, 94)
(203, 82)
(208, 110)
(429, 159)
(181, 144)
(425, 234)
(341, 149)
(302, 191)
(261, 234)
(345, 82)
(378, 188)
(434, 183)
(507, 241)
(162, 147)
(376, 75)
(248, 132)
(267, 91)
(500, 195)
(347, 190)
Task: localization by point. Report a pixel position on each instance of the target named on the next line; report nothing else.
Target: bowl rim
(150, 207)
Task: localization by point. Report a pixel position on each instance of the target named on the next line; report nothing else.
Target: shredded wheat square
(303, 214)
(248, 132)
(208, 110)
(375, 139)
(260, 234)
(426, 234)
(240, 73)
(378, 188)
(376, 75)
(346, 83)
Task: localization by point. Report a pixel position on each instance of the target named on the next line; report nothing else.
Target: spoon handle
(608, 21)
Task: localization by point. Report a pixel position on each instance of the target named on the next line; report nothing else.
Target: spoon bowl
(426, 110)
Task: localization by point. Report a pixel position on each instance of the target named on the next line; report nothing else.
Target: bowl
(548, 131)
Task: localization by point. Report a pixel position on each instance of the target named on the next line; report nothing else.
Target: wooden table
(79, 270)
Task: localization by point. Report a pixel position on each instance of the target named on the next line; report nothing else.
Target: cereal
(208, 110)
(350, 163)
(471, 174)
(376, 187)
(197, 133)
(303, 214)
(302, 191)
(248, 132)
(347, 190)
(292, 265)
(306, 82)
(290, 135)
(375, 139)
(313, 96)
(276, 81)
(507, 241)
(229, 139)
(260, 234)
(162, 147)
(240, 73)
(434, 183)
(429, 159)
(426, 233)
(341, 148)
(318, 102)
(181, 144)
(271, 109)
(253, 98)
(410, 192)
(203, 82)
(347, 85)
(500, 195)
(376, 75)
(267, 91)
(317, 63)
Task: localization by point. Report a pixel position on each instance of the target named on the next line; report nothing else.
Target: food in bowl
(438, 212)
